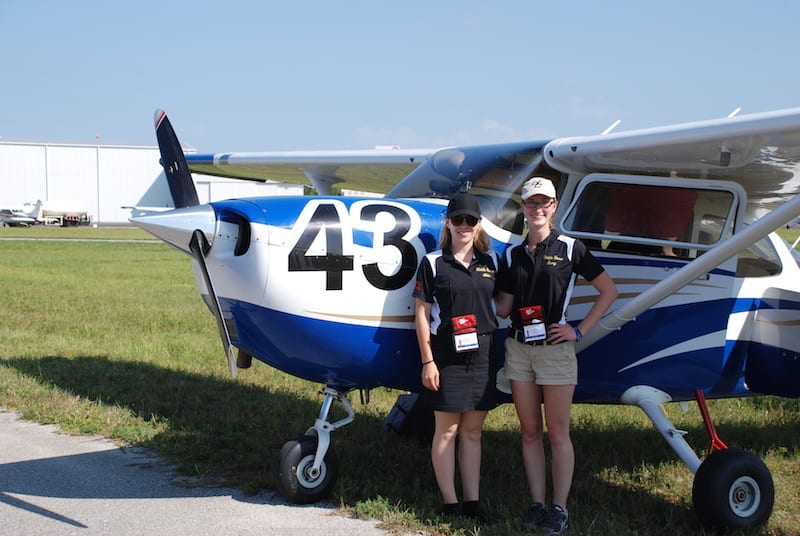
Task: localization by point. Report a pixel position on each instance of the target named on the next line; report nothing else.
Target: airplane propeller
(179, 179)
(199, 246)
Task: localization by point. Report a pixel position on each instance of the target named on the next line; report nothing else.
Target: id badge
(533, 327)
(465, 333)
(466, 341)
(534, 331)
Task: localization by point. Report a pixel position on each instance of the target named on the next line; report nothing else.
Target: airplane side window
(640, 217)
(650, 212)
(759, 260)
(591, 211)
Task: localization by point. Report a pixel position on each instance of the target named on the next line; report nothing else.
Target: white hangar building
(106, 178)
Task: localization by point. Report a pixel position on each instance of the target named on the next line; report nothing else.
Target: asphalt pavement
(57, 484)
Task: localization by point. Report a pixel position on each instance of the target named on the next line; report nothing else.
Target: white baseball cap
(538, 186)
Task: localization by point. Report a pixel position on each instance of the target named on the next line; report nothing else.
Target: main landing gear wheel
(733, 489)
(296, 480)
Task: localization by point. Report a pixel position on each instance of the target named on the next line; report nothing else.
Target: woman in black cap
(455, 323)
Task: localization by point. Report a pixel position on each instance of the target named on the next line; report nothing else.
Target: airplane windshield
(795, 254)
(495, 173)
(759, 260)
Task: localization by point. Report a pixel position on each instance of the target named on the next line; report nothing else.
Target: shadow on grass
(209, 426)
(221, 428)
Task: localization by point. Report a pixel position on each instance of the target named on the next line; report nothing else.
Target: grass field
(111, 338)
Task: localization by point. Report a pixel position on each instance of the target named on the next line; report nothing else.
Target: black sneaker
(555, 520)
(450, 510)
(474, 511)
(535, 516)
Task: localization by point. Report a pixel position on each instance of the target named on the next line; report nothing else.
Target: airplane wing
(759, 151)
(376, 170)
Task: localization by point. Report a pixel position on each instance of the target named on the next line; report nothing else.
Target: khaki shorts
(543, 365)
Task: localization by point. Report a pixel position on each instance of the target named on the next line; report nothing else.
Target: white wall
(72, 175)
(126, 175)
(23, 174)
(106, 178)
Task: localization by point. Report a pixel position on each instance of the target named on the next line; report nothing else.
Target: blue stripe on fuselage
(342, 355)
(368, 356)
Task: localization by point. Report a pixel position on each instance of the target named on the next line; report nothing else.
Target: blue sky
(264, 75)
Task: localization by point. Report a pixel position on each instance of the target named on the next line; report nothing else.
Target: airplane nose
(177, 226)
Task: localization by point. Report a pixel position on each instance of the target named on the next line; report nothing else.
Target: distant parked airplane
(14, 217)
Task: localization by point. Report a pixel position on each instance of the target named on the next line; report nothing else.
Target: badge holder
(465, 333)
(533, 327)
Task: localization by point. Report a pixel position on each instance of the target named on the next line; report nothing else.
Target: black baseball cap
(464, 204)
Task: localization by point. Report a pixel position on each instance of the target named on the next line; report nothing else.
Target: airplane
(15, 217)
(682, 217)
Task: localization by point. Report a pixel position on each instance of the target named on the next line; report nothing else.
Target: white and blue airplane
(682, 217)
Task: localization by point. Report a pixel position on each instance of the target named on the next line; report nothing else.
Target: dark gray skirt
(466, 380)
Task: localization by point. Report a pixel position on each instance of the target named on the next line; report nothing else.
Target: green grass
(111, 338)
(122, 232)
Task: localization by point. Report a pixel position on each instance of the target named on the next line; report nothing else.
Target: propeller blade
(173, 161)
(198, 246)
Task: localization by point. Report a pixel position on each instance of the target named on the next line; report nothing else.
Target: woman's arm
(503, 302)
(430, 372)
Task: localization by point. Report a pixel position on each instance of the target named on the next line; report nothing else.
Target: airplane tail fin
(179, 179)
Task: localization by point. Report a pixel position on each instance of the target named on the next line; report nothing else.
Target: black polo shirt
(454, 290)
(547, 277)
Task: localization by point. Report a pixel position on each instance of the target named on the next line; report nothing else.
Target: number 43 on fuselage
(682, 217)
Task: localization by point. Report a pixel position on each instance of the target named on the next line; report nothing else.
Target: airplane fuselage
(321, 289)
(320, 286)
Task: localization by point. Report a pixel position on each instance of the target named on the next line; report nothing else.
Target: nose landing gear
(307, 465)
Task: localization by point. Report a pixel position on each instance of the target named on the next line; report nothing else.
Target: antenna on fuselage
(611, 127)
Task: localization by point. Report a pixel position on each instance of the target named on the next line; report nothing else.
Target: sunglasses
(472, 221)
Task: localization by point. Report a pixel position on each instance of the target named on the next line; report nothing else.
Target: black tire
(733, 489)
(293, 480)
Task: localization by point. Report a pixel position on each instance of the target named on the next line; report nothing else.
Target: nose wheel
(307, 465)
(298, 480)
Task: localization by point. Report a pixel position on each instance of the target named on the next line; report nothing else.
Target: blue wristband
(577, 334)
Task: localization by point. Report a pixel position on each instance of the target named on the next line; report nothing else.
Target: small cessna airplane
(14, 217)
(20, 216)
(682, 217)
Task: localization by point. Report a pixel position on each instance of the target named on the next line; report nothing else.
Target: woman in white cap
(534, 289)
(455, 323)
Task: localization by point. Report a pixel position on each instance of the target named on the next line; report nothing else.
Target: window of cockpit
(640, 216)
(759, 260)
(493, 173)
(500, 197)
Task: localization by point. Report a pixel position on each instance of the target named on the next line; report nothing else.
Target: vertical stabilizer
(173, 161)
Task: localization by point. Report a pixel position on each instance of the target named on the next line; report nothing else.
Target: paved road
(56, 484)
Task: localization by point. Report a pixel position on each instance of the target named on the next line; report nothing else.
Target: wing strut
(696, 268)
